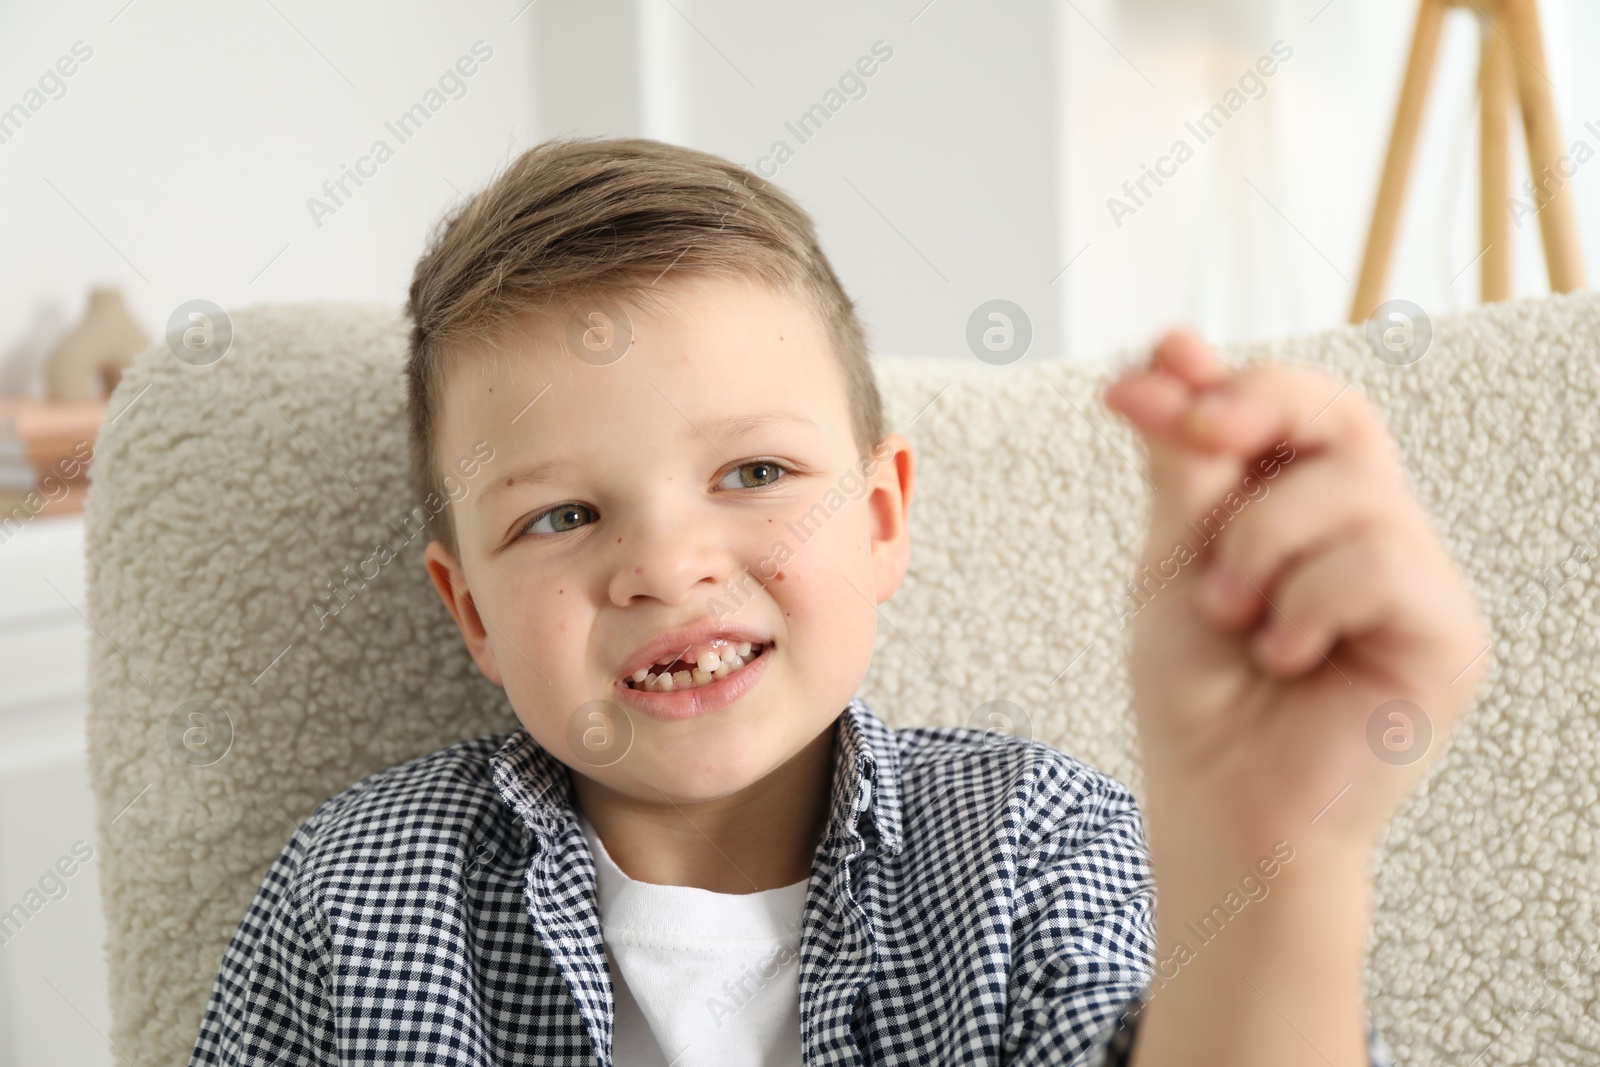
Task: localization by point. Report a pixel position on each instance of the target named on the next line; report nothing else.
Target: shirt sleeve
(269, 1003)
(1084, 929)
(1083, 920)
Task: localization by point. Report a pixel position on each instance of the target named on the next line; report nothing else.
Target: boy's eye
(560, 519)
(769, 473)
(564, 517)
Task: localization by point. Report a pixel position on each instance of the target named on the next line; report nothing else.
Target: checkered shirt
(976, 899)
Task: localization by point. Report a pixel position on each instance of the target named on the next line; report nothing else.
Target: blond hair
(581, 218)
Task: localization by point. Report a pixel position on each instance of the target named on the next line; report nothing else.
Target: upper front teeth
(709, 667)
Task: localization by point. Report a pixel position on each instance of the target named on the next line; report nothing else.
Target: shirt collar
(866, 776)
(866, 782)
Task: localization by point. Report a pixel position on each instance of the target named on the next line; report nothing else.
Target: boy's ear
(451, 583)
(892, 480)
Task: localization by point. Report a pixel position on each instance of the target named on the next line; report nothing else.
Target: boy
(701, 847)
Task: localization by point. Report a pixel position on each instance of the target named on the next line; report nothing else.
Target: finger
(1273, 402)
(1180, 363)
(1155, 402)
(1283, 510)
(1182, 353)
(1352, 585)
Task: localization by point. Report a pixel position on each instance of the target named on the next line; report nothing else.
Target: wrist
(1288, 895)
(1189, 854)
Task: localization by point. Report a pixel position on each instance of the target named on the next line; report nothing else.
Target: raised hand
(1293, 589)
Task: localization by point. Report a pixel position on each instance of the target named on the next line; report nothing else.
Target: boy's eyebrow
(728, 427)
(735, 426)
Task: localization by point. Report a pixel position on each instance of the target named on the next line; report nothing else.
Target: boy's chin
(705, 767)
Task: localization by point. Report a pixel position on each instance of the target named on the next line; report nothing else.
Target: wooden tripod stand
(1511, 66)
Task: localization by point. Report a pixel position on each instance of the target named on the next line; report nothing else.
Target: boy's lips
(700, 699)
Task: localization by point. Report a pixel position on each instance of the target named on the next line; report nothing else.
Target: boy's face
(652, 526)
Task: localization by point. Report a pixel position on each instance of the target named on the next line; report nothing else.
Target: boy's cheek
(829, 613)
(821, 568)
(541, 664)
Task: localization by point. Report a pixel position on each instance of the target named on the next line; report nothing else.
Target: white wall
(179, 162)
(980, 159)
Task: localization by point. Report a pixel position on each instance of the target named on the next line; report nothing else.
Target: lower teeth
(687, 679)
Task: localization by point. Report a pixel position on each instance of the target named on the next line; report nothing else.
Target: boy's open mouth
(696, 666)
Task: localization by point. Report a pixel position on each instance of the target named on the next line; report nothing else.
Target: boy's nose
(672, 567)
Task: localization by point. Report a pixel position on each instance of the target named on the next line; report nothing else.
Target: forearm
(1279, 983)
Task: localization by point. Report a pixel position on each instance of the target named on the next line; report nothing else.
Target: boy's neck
(762, 837)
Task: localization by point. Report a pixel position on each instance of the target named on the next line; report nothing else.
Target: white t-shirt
(701, 979)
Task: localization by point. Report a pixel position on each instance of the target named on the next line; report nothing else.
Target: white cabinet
(53, 1006)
